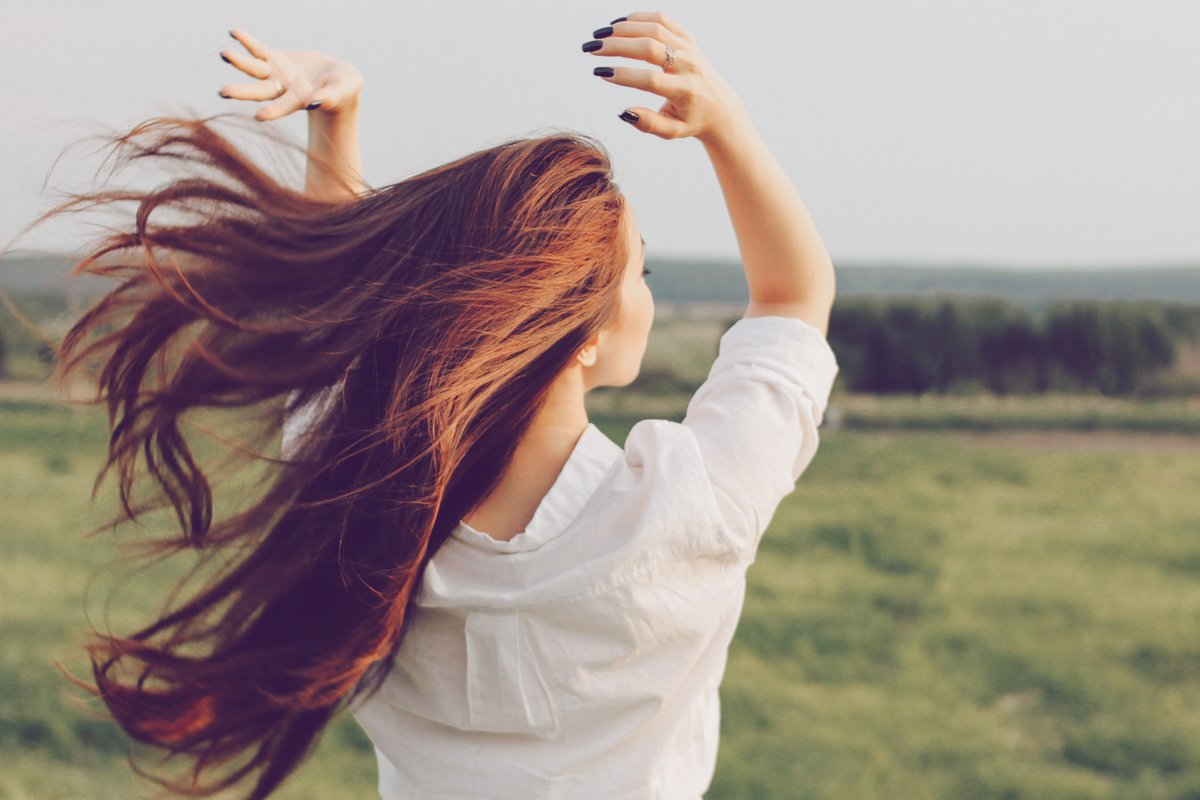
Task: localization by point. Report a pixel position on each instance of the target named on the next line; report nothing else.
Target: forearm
(783, 256)
(334, 138)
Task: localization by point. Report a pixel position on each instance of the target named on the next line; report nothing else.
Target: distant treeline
(950, 344)
(905, 344)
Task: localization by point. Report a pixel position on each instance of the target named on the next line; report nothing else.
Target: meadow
(932, 614)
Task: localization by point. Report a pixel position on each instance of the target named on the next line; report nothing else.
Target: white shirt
(582, 658)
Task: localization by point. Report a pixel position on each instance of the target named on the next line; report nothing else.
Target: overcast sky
(1028, 132)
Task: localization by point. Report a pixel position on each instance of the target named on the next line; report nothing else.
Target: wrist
(730, 135)
(334, 152)
(733, 123)
(346, 109)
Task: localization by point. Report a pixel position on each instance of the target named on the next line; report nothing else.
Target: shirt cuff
(787, 345)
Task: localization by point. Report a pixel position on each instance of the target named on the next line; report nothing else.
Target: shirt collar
(590, 460)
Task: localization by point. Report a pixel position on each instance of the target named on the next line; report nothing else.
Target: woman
(510, 604)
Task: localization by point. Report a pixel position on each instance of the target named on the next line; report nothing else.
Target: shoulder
(652, 441)
(648, 518)
(663, 481)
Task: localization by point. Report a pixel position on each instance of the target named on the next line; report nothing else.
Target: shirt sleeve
(755, 418)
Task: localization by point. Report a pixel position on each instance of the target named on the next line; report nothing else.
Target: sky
(1028, 133)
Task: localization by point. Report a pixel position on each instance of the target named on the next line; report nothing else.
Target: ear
(587, 355)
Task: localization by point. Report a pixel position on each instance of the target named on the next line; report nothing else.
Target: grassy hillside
(929, 616)
(708, 281)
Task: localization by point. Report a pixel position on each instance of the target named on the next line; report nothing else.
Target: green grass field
(931, 615)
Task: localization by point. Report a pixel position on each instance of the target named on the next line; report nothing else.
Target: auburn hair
(436, 312)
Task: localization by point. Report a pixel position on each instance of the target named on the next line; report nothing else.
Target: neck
(536, 462)
(564, 415)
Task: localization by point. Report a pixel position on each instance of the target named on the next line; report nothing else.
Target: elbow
(811, 299)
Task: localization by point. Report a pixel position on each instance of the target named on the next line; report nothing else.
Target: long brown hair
(437, 310)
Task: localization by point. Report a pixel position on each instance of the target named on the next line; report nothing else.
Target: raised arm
(755, 418)
(788, 271)
(334, 136)
(328, 88)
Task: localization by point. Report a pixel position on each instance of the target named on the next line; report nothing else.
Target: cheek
(649, 308)
(639, 306)
(637, 314)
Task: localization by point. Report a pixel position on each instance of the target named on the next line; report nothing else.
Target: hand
(699, 102)
(307, 77)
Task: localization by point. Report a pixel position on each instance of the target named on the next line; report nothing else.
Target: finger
(256, 48)
(647, 30)
(664, 84)
(662, 19)
(258, 90)
(642, 48)
(253, 67)
(655, 122)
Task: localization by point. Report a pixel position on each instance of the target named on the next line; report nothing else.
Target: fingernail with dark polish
(226, 60)
(629, 116)
(231, 36)
(314, 104)
(591, 46)
(618, 19)
(223, 95)
(603, 72)
(600, 33)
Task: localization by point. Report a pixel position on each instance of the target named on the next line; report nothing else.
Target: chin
(633, 377)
